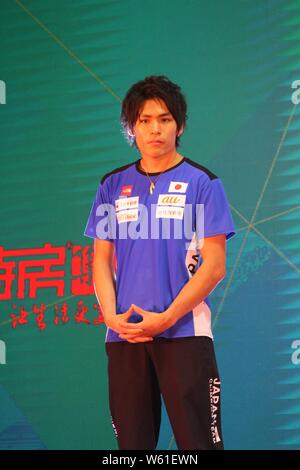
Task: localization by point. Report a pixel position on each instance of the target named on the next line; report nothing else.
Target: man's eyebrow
(160, 115)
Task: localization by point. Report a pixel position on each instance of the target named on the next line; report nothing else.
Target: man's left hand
(153, 324)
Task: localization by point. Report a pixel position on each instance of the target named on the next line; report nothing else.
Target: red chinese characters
(26, 272)
(36, 273)
(82, 269)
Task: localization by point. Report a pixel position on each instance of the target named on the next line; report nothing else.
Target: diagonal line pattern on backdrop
(279, 252)
(250, 226)
(68, 51)
(292, 209)
(262, 221)
(269, 242)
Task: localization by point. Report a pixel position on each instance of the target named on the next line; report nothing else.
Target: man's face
(155, 129)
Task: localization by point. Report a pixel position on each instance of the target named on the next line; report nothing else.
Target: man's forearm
(105, 289)
(195, 291)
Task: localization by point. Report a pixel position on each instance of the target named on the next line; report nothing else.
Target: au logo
(170, 200)
(2, 352)
(2, 92)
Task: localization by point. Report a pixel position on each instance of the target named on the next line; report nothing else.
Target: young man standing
(159, 339)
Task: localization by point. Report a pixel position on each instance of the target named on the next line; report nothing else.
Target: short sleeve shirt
(157, 237)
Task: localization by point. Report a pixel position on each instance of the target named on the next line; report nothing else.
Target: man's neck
(160, 164)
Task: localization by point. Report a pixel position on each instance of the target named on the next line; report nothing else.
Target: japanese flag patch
(177, 187)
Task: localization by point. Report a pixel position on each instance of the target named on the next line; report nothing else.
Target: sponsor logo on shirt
(127, 216)
(127, 209)
(127, 203)
(167, 212)
(126, 190)
(177, 187)
(171, 200)
(170, 206)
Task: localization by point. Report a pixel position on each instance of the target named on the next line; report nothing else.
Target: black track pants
(184, 371)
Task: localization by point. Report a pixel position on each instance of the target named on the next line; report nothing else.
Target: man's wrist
(109, 318)
(170, 316)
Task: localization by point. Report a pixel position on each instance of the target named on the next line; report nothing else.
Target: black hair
(152, 87)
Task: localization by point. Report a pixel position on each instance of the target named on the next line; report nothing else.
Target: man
(156, 307)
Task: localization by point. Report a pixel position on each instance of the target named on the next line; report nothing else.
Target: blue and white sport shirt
(157, 237)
